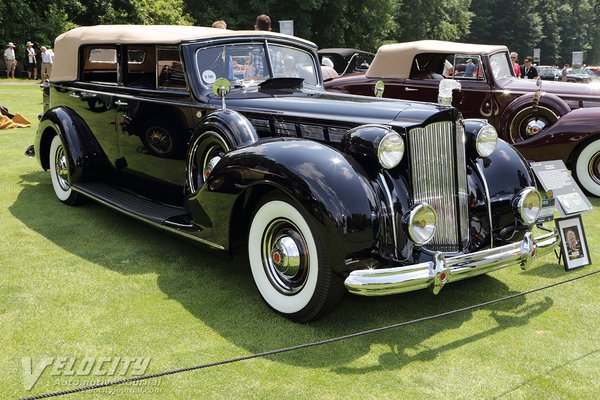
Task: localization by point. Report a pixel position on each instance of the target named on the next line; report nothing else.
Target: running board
(134, 205)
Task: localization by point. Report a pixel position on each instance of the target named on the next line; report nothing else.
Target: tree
(431, 19)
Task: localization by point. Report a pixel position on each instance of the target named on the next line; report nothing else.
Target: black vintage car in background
(228, 138)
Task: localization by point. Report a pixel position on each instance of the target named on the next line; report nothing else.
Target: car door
(153, 117)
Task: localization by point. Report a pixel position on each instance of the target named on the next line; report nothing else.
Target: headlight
(486, 140)
(420, 223)
(527, 205)
(390, 150)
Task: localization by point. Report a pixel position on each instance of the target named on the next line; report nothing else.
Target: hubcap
(61, 169)
(594, 167)
(534, 127)
(285, 256)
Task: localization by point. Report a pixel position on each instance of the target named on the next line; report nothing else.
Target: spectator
(10, 60)
(30, 61)
(565, 72)
(47, 61)
(528, 71)
(514, 57)
(219, 24)
(469, 68)
(263, 23)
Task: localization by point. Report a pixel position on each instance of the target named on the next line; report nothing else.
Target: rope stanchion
(305, 345)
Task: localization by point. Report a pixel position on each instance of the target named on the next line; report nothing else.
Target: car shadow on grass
(219, 291)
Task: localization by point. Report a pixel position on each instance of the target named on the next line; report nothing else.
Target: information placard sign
(556, 179)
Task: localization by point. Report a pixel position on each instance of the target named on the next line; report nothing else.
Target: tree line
(556, 27)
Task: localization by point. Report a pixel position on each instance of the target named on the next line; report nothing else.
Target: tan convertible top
(67, 45)
(395, 60)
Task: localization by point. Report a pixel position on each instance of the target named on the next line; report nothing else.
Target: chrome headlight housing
(486, 140)
(527, 205)
(420, 223)
(390, 150)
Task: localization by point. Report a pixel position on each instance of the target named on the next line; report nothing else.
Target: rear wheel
(289, 266)
(59, 172)
(587, 168)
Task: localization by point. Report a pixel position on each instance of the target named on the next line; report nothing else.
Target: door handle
(120, 103)
(75, 95)
(410, 89)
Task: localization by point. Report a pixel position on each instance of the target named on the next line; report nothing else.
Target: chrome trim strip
(489, 201)
(154, 224)
(391, 212)
(441, 270)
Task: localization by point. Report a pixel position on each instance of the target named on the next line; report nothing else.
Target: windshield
(252, 63)
(501, 66)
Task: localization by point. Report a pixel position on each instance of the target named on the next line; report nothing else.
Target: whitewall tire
(59, 173)
(288, 265)
(587, 168)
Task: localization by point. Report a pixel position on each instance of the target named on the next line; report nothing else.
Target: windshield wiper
(281, 83)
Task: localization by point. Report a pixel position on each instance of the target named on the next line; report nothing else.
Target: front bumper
(441, 270)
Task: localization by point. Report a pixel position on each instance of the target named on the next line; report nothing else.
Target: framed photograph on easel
(573, 247)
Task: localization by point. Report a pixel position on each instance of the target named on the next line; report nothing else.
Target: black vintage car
(228, 138)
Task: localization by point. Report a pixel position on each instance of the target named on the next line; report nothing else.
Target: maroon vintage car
(544, 120)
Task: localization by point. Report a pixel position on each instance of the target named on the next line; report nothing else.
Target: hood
(331, 106)
(565, 90)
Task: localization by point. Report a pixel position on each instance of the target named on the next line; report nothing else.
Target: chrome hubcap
(285, 256)
(61, 169)
(534, 127)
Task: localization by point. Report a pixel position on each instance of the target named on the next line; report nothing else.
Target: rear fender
(82, 148)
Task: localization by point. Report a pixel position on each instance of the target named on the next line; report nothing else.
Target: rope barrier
(303, 346)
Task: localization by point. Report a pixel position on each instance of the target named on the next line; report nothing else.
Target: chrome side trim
(154, 224)
(391, 212)
(488, 199)
(441, 270)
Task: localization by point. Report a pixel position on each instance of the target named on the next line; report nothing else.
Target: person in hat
(10, 60)
(47, 62)
(30, 61)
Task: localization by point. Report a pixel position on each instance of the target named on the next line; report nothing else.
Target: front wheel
(587, 168)
(59, 172)
(289, 266)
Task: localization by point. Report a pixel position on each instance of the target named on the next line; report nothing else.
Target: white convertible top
(395, 60)
(67, 45)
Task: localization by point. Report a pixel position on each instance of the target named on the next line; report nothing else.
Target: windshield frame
(266, 47)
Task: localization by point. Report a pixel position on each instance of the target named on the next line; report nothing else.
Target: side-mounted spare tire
(521, 119)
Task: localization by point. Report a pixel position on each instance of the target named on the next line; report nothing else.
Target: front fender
(331, 187)
(504, 174)
(564, 137)
(76, 135)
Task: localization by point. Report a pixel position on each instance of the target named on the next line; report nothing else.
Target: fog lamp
(527, 205)
(420, 223)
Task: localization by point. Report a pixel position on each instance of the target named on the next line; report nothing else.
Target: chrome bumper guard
(441, 270)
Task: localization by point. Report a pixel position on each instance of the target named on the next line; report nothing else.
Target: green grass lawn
(89, 282)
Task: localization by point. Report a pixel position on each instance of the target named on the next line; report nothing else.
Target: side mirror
(221, 88)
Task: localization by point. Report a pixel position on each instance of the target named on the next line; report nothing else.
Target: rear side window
(99, 64)
(169, 68)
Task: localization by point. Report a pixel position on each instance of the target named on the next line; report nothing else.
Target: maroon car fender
(565, 138)
(523, 118)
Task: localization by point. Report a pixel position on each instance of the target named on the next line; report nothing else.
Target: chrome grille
(438, 168)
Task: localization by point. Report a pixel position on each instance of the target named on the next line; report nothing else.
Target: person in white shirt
(47, 61)
(31, 61)
(10, 60)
